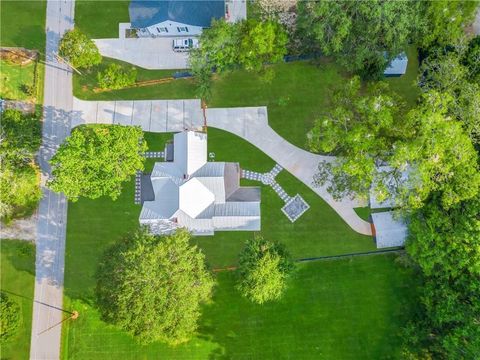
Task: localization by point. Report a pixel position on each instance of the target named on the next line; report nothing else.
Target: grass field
(112, 13)
(332, 310)
(22, 24)
(298, 94)
(177, 89)
(17, 280)
(344, 309)
(14, 78)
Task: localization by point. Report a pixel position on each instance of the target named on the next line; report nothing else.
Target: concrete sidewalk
(52, 212)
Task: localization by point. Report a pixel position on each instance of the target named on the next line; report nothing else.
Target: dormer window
(182, 29)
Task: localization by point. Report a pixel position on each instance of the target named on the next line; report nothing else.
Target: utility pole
(73, 316)
(61, 59)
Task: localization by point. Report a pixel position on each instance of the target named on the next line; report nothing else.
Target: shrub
(9, 317)
(263, 271)
(116, 77)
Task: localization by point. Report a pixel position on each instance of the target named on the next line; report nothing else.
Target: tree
(153, 286)
(9, 317)
(96, 159)
(369, 131)
(264, 267)
(19, 175)
(442, 155)
(471, 59)
(444, 21)
(261, 43)
(361, 130)
(78, 49)
(363, 35)
(446, 242)
(116, 77)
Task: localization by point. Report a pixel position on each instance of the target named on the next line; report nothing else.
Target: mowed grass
(18, 280)
(84, 84)
(345, 309)
(299, 93)
(22, 24)
(14, 78)
(100, 19)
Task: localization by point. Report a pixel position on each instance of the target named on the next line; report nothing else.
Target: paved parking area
(150, 115)
(149, 53)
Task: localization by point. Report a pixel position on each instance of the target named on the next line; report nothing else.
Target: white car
(185, 44)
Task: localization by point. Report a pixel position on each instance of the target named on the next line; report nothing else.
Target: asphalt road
(52, 216)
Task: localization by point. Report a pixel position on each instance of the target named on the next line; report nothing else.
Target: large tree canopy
(153, 286)
(444, 21)
(96, 159)
(363, 35)
(367, 131)
(78, 49)
(263, 270)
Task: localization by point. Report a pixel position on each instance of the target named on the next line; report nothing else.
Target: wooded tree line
(436, 143)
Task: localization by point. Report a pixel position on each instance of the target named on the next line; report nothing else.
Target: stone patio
(295, 207)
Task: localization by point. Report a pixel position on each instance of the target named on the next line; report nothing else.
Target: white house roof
(199, 195)
(190, 151)
(194, 197)
(390, 229)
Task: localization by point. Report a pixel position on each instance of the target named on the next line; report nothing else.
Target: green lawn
(100, 19)
(17, 280)
(298, 94)
(13, 78)
(84, 84)
(344, 309)
(22, 23)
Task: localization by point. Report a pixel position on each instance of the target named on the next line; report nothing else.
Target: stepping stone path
(138, 187)
(294, 206)
(154, 154)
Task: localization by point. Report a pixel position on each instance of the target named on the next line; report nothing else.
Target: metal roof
(193, 12)
(390, 229)
(398, 66)
(199, 195)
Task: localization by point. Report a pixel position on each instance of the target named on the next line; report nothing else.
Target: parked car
(185, 44)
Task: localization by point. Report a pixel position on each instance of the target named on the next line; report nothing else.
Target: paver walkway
(52, 212)
(250, 123)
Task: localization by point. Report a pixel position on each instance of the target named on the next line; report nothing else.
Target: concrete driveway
(149, 53)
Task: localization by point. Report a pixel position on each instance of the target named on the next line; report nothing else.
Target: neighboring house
(397, 67)
(174, 18)
(201, 196)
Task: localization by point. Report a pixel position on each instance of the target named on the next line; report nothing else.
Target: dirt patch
(20, 229)
(18, 56)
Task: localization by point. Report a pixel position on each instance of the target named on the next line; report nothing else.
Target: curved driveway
(250, 123)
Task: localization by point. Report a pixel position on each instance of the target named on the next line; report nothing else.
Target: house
(397, 67)
(192, 193)
(174, 17)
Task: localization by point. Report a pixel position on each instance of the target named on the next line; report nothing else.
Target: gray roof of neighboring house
(192, 12)
(398, 66)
